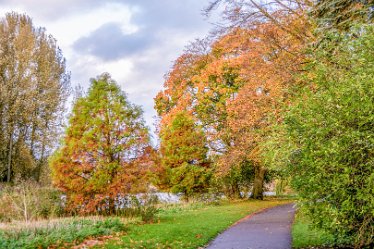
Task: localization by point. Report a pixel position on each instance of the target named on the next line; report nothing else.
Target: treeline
(234, 86)
(283, 90)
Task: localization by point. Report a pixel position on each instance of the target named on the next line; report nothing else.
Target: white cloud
(166, 25)
(68, 30)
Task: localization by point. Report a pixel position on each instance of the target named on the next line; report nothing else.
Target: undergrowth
(59, 234)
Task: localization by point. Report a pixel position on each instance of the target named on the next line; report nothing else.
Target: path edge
(244, 218)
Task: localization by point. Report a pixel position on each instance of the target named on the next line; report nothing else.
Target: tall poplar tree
(104, 151)
(34, 85)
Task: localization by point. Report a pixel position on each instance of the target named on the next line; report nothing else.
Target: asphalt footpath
(270, 229)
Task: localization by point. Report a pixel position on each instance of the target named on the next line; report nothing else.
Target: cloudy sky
(134, 40)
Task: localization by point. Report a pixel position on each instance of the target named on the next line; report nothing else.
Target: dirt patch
(88, 243)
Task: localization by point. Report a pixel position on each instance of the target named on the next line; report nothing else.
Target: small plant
(146, 207)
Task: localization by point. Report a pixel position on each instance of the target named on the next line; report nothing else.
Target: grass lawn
(191, 226)
(305, 236)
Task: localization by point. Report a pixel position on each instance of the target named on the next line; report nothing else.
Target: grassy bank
(304, 235)
(189, 226)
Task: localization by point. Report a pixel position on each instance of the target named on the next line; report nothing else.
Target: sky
(135, 41)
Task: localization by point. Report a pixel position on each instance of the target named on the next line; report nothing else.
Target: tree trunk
(236, 191)
(9, 166)
(186, 196)
(112, 206)
(40, 164)
(258, 184)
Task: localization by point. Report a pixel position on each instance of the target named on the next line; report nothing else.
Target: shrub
(27, 201)
(304, 235)
(147, 208)
(331, 129)
(143, 205)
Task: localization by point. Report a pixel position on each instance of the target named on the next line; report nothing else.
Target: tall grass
(28, 201)
(58, 232)
(305, 235)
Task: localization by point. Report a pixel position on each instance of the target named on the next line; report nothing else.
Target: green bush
(237, 181)
(331, 130)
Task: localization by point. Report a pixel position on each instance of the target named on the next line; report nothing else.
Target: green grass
(305, 236)
(186, 227)
(176, 226)
(57, 233)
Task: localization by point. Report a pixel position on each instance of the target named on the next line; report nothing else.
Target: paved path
(269, 229)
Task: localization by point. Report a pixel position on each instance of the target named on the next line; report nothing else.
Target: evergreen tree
(184, 157)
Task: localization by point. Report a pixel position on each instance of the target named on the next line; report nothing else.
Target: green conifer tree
(184, 157)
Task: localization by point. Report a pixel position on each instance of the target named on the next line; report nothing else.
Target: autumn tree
(237, 84)
(104, 154)
(33, 88)
(236, 90)
(267, 41)
(269, 72)
(185, 167)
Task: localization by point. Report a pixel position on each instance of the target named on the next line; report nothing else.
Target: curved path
(269, 229)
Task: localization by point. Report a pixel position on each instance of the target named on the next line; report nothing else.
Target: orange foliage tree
(236, 87)
(105, 151)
